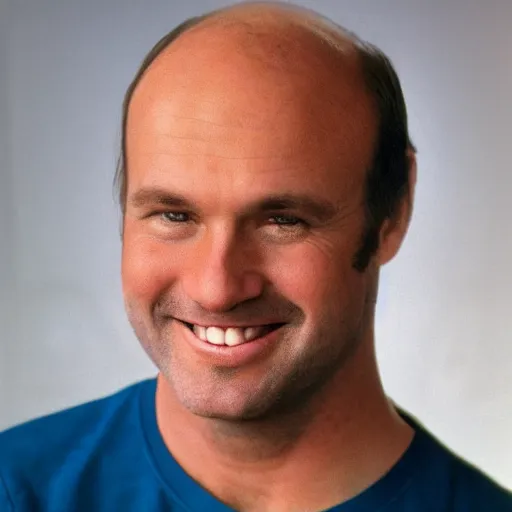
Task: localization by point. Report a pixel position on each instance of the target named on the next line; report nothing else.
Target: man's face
(245, 207)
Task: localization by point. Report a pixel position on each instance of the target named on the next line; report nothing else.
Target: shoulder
(473, 490)
(67, 427)
(37, 454)
(447, 478)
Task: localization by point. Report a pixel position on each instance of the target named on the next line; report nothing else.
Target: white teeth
(234, 336)
(215, 335)
(200, 332)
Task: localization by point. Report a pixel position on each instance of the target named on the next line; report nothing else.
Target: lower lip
(231, 357)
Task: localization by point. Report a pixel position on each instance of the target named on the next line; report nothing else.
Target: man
(266, 174)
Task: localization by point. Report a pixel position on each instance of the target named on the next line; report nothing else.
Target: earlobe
(394, 229)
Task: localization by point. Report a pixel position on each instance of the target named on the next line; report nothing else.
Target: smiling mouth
(231, 336)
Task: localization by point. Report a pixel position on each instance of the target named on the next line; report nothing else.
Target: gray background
(445, 315)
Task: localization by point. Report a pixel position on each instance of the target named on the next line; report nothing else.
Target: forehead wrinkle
(161, 147)
(222, 157)
(160, 108)
(233, 140)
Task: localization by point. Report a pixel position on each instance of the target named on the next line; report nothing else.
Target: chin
(225, 412)
(232, 400)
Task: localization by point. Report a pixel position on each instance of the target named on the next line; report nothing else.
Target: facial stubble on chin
(279, 396)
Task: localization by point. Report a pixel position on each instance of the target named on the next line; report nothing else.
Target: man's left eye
(286, 220)
(175, 216)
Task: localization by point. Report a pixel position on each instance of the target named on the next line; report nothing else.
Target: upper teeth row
(231, 336)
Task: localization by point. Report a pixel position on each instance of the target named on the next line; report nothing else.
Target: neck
(287, 463)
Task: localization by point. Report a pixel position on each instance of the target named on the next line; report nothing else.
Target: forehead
(224, 100)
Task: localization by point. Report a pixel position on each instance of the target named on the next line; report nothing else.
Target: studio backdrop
(444, 317)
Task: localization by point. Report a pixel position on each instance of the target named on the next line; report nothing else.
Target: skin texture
(247, 106)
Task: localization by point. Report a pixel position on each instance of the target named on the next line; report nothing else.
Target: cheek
(148, 268)
(316, 279)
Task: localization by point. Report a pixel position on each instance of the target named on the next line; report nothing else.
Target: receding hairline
(279, 15)
(288, 23)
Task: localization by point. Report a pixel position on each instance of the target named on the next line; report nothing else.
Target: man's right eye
(175, 216)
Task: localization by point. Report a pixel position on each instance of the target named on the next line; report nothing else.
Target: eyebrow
(157, 196)
(321, 209)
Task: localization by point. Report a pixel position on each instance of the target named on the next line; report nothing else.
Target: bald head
(260, 67)
(261, 22)
(288, 56)
(295, 44)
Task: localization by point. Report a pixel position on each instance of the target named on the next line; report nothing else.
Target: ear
(393, 230)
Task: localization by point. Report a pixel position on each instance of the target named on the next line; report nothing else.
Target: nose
(222, 271)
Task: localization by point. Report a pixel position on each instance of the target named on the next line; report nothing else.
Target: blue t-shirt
(108, 455)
